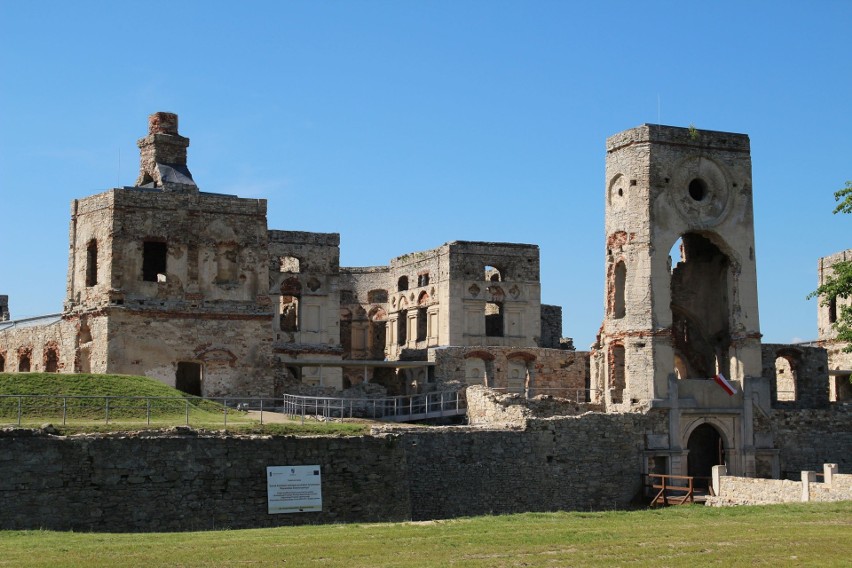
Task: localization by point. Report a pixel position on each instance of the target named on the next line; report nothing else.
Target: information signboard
(294, 489)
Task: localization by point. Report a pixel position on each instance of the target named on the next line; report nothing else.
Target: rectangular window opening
(153, 260)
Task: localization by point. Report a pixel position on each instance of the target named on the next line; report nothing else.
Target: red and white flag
(723, 382)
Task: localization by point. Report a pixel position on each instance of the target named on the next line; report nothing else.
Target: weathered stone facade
(828, 311)
(193, 289)
(530, 371)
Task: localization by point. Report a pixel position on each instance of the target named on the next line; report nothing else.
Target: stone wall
(531, 370)
(487, 407)
(753, 491)
(28, 343)
(234, 350)
(195, 482)
(798, 375)
(839, 489)
(139, 483)
(580, 463)
(745, 491)
(551, 326)
(808, 438)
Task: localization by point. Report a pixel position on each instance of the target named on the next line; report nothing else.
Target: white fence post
(719, 471)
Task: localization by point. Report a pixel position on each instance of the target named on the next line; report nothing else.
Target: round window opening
(697, 189)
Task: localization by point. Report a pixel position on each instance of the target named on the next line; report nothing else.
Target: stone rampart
(199, 482)
(578, 463)
(175, 482)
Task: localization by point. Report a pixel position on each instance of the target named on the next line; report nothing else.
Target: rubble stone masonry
(175, 481)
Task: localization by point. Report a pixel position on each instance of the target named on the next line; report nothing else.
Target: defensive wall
(185, 480)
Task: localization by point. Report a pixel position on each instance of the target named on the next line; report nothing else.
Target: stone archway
(706, 448)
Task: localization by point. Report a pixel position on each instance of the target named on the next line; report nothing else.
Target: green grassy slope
(83, 384)
(45, 403)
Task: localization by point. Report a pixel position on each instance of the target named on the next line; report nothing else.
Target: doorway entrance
(706, 449)
(188, 378)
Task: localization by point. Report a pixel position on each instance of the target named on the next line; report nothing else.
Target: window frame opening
(495, 319)
(92, 263)
(154, 260)
(619, 307)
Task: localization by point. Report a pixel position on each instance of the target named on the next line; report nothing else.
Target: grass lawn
(156, 406)
(779, 535)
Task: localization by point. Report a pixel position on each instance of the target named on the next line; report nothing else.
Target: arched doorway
(706, 449)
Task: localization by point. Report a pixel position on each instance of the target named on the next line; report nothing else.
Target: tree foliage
(838, 284)
(844, 197)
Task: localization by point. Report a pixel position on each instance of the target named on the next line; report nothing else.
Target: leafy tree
(839, 284)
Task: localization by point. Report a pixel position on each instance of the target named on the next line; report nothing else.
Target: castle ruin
(193, 289)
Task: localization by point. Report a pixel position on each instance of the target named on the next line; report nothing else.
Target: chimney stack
(162, 156)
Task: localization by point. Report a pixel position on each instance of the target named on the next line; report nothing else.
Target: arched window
(492, 274)
(402, 284)
(24, 363)
(786, 375)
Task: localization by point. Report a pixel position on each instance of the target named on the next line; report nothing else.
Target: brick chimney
(162, 156)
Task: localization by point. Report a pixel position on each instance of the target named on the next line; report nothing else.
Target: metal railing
(17, 409)
(394, 408)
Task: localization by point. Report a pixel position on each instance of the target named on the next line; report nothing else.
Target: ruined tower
(681, 289)
(170, 282)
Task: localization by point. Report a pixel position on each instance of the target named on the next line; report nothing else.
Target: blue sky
(404, 125)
